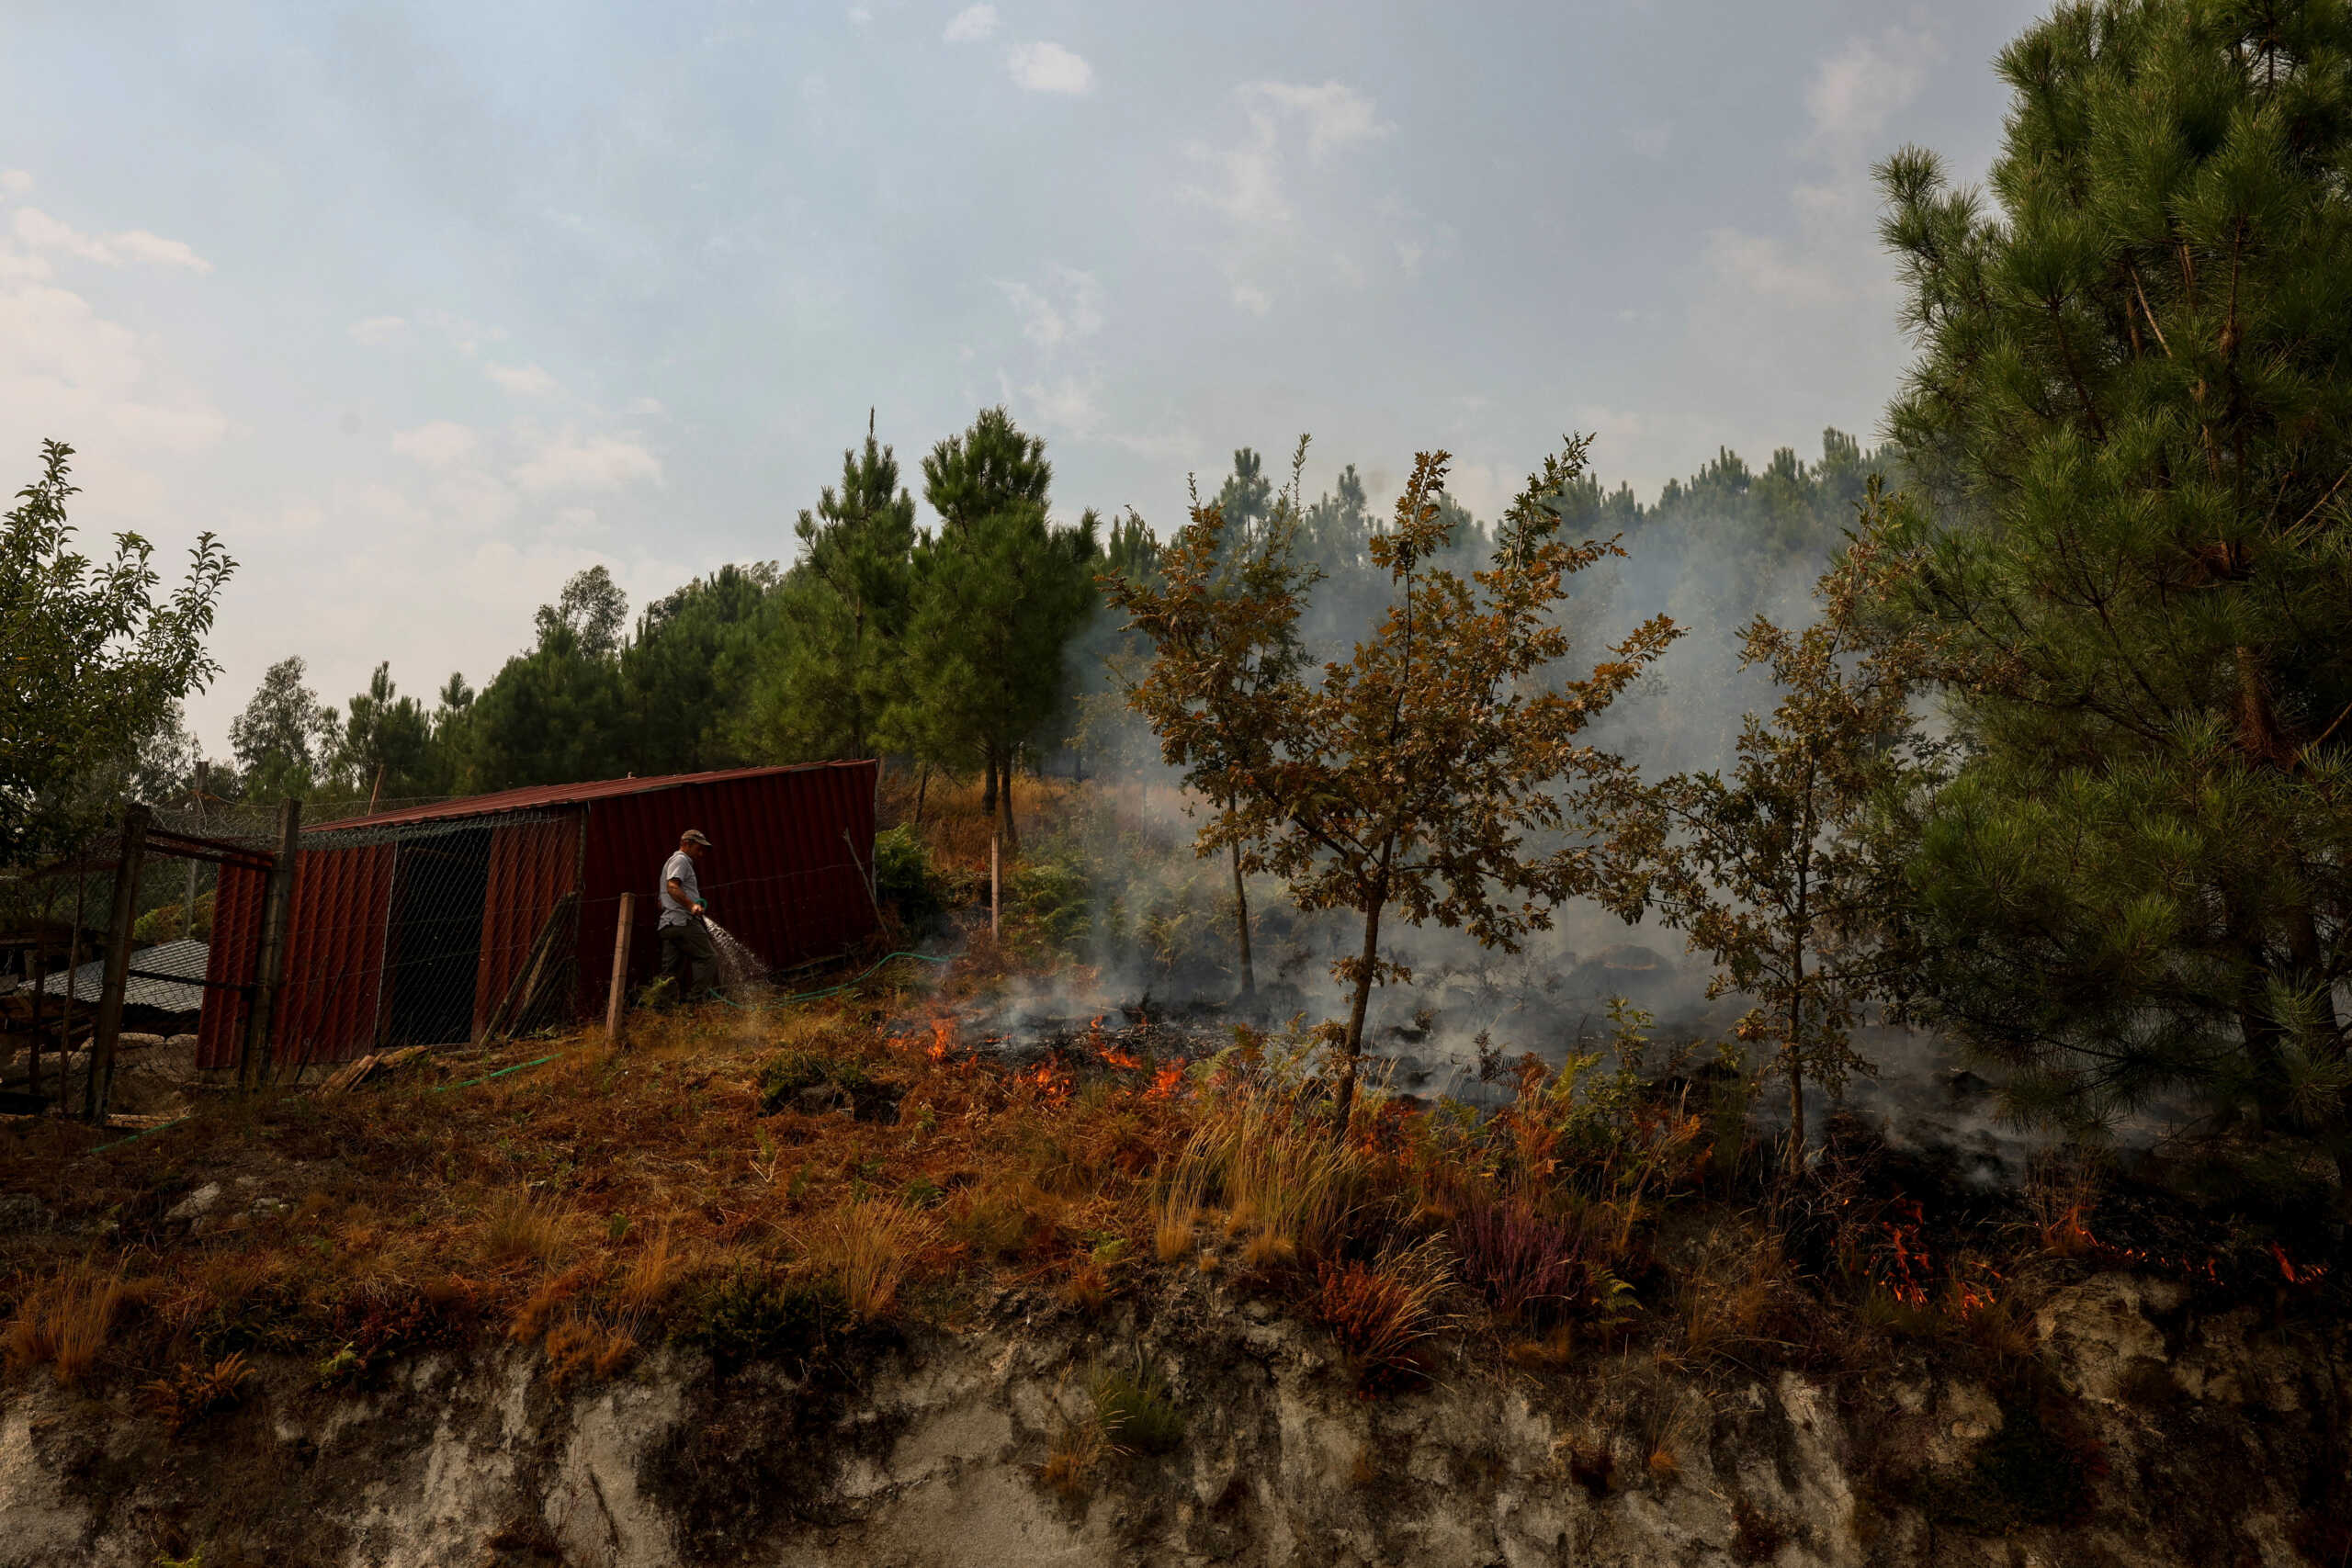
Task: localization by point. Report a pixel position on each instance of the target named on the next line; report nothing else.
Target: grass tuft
(64, 1322)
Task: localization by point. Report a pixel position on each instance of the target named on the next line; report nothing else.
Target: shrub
(189, 1396)
(1288, 1185)
(1525, 1263)
(903, 876)
(1134, 1408)
(747, 1316)
(1385, 1311)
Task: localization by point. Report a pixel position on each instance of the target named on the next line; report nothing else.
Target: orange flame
(1166, 1082)
(1114, 1057)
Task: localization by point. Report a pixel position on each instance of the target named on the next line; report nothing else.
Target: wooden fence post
(276, 914)
(996, 881)
(99, 1087)
(617, 999)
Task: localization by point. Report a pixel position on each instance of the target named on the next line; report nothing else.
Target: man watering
(687, 954)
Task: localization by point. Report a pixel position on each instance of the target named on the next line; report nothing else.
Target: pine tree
(830, 683)
(999, 594)
(2131, 421)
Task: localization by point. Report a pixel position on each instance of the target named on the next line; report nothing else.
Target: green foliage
(784, 1075)
(2132, 414)
(747, 1316)
(285, 739)
(1054, 898)
(683, 675)
(1773, 869)
(904, 879)
(390, 738)
(999, 590)
(829, 683)
(97, 664)
(1133, 1406)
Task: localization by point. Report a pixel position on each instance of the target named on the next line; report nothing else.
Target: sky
(423, 308)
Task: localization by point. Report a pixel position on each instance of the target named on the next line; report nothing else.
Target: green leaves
(94, 664)
(2133, 406)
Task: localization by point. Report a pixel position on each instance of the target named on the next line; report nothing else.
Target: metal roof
(539, 797)
(186, 958)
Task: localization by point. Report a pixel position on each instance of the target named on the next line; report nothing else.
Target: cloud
(1072, 310)
(1247, 184)
(1048, 68)
(970, 24)
(39, 231)
(570, 462)
(14, 182)
(436, 445)
(1855, 92)
(138, 244)
(1252, 298)
(859, 16)
(377, 331)
(523, 380)
(1335, 114)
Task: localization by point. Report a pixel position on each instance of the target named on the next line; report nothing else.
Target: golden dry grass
(64, 1322)
(864, 1248)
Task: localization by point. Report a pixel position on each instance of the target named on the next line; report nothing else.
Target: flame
(943, 1039)
(1048, 1080)
(1094, 1025)
(1114, 1057)
(1166, 1082)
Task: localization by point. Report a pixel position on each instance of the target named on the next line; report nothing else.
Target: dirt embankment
(2143, 1433)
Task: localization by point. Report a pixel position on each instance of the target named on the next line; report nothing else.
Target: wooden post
(40, 980)
(996, 881)
(72, 973)
(865, 876)
(276, 913)
(617, 999)
(118, 972)
(188, 910)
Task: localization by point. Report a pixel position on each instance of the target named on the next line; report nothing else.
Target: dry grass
(1383, 1312)
(1289, 1186)
(523, 1227)
(190, 1394)
(649, 1279)
(864, 1248)
(64, 1322)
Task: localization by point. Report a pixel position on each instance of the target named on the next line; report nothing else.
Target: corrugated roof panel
(539, 797)
(229, 961)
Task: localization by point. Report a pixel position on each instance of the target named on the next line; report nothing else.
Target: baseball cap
(694, 836)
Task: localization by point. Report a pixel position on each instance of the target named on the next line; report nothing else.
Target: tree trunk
(988, 785)
(1241, 926)
(1796, 1115)
(1343, 1101)
(922, 786)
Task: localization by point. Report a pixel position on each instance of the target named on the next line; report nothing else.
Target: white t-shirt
(680, 869)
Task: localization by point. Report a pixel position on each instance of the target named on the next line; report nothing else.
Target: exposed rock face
(2146, 1437)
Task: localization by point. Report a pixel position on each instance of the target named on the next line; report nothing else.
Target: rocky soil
(2146, 1432)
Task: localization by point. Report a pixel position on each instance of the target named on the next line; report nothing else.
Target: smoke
(1160, 929)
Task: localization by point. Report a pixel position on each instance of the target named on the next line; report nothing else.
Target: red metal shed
(422, 926)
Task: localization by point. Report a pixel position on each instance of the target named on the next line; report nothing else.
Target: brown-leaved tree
(1432, 775)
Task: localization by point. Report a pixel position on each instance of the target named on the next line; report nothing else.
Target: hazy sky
(423, 308)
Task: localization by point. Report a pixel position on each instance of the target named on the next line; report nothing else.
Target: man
(686, 955)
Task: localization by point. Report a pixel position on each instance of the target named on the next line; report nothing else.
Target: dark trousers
(686, 957)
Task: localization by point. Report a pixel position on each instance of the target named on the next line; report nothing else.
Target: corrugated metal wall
(780, 875)
(414, 932)
(532, 864)
(335, 956)
(229, 961)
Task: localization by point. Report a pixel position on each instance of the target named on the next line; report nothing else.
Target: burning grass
(782, 1184)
